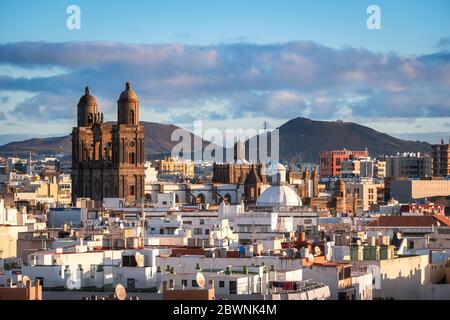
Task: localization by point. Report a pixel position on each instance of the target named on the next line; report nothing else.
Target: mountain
(157, 142)
(7, 138)
(299, 137)
(54, 145)
(305, 138)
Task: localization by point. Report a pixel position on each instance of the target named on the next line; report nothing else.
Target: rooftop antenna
(253, 227)
(142, 222)
(29, 167)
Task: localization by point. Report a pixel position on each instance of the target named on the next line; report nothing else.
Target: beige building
(54, 192)
(363, 167)
(407, 190)
(8, 240)
(380, 169)
(175, 166)
(47, 190)
(399, 278)
(366, 191)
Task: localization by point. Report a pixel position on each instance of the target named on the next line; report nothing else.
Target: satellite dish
(399, 235)
(358, 242)
(70, 284)
(311, 257)
(121, 226)
(317, 250)
(200, 280)
(120, 292)
(139, 257)
(25, 279)
(59, 261)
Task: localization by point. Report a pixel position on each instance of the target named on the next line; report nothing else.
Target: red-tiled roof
(409, 221)
(444, 220)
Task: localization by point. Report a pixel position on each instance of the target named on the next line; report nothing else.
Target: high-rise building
(108, 158)
(331, 161)
(410, 165)
(441, 159)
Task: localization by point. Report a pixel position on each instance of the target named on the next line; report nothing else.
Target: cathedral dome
(87, 99)
(279, 196)
(128, 94)
(275, 168)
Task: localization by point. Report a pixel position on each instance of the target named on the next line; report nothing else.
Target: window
(342, 296)
(41, 280)
(221, 284)
(132, 190)
(206, 231)
(184, 283)
(194, 284)
(233, 287)
(131, 158)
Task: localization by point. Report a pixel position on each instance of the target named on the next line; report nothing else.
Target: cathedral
(108, 158)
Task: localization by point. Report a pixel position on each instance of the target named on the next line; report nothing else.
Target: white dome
(242, 161)
(273, 168)
(279, 196)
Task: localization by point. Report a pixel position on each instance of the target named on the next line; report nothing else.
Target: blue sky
(228, 62)
(413, 26)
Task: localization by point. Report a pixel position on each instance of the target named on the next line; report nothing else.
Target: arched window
(132, 190)
(131, 158)
(131, 116)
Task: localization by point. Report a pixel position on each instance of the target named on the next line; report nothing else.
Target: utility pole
(143, 231)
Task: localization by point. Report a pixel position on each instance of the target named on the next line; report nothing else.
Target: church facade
(108, 158)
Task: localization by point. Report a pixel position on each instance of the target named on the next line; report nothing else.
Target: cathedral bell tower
(128, 107)
(86, 109)
(108, 158)
(128, 145)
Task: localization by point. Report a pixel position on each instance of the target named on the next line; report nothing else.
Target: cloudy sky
(229, 63)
